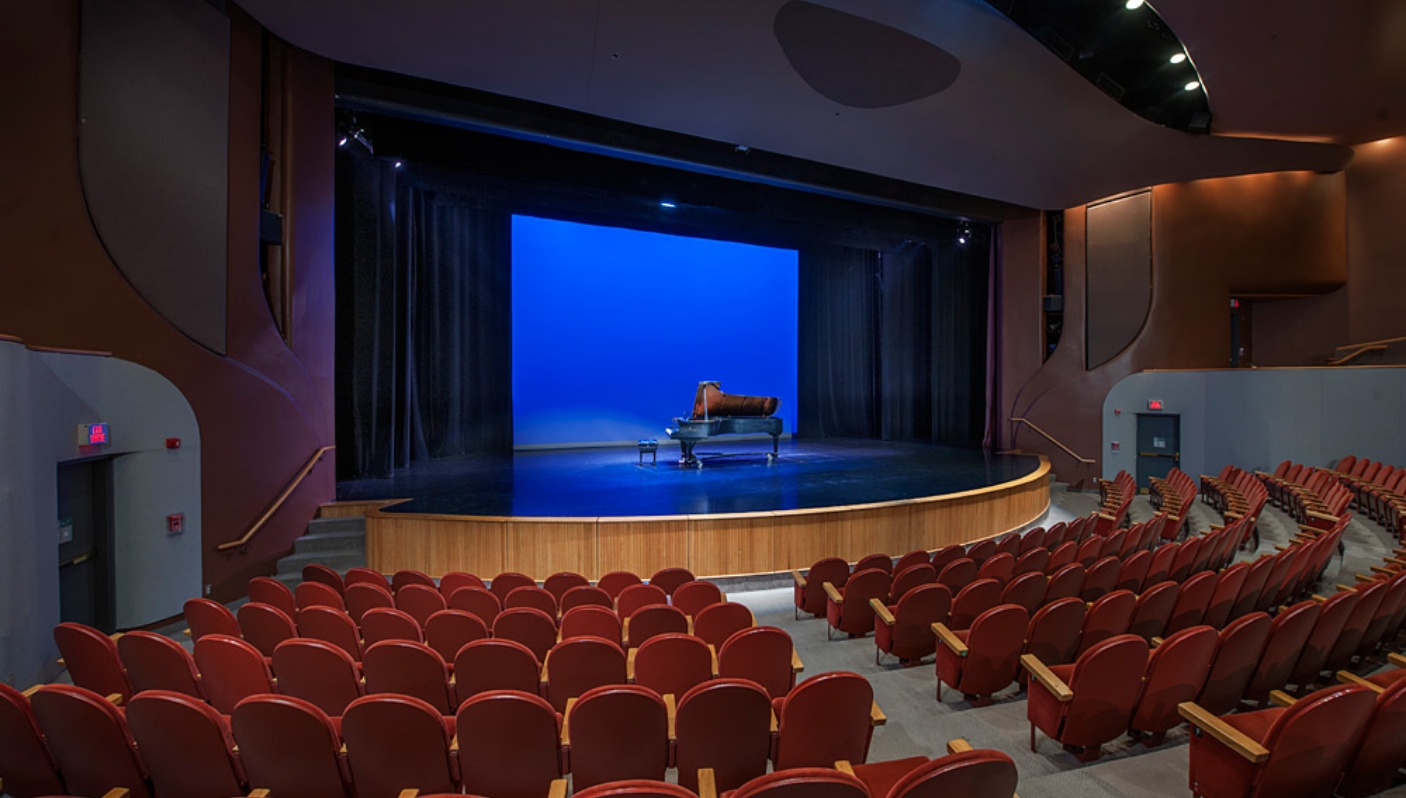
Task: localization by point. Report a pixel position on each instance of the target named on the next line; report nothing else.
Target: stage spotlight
(1132, 4)
(1177, 58)
(667, 204)
(397, 164)
(1193, 85)
(343, 142)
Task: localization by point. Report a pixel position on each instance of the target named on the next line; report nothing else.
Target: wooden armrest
(881, 612)
(1105, 516)
(844, 767)
(411, 793)
(800, 580)
(1342, 586)
(114, 698)
(1279, 698)
(958, 746)
(630, 665)
(1365, 578)
(31, 690)
(671, 706)
(542, 677)
(1042, 674)
(1281, 548)
(1322, 516)
(707, 784)
(949, 639)
(834, 594)
(1223, 732)
(713, 655)
(876, 715)
(1396, 659)
(566, 722)
(117, 792)
(557, 789)
(1156, 641)
(1352, 678)
(454, 743)
(1396, 560)
(1318, 598)
(774, 723)
(796, 665)
(263, 793)
(186, 631)
(115, 636)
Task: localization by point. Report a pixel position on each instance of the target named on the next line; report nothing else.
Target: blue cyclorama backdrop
(614, 328)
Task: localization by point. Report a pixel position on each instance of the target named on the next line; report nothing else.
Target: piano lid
(711, 402)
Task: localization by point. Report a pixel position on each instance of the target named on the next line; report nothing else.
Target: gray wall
(1256, 418)
(44, 396)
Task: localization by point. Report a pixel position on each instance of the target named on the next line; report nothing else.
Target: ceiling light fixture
(667, 204)
(1177, 58)
(1193, 85)
(1132, 4)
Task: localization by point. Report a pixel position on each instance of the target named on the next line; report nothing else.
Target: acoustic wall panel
(1119, 282)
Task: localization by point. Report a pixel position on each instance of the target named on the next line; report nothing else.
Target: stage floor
(736, 477)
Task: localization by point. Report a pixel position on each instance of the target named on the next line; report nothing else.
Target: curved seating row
(1173, 495)
(1379, 490)
(1313, 496)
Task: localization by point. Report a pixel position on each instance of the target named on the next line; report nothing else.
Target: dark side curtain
(837, 366)
(424, 326)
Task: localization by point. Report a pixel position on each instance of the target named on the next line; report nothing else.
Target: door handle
(1176, 456)
(82, 558)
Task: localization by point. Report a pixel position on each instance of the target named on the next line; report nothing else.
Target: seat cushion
(880, 777)
(1254, 725)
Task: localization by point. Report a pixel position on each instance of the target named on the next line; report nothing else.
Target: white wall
(1257, 418)
(44, 396)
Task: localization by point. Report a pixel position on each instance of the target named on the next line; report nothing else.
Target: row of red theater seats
(1379, 490)
(1115, 497)
(1174, 495)
(1235, 493)
(1313, 496)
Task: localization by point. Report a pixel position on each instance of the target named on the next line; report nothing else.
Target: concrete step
(354, 541)
(351, 524)
(292, 565)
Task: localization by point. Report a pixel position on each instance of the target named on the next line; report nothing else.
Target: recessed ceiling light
(667, 204)
(1193, 85)
(1178, 58)
(1131, 4)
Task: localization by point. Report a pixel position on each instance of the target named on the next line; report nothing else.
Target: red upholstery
(265, 626)
(509, 744)
(586, 596)
(1192, 601)
(185, 745)
(317, 594)
(591, 621)
(478, 600)
(1176, 672)
(580, 664)
(89, 740)
(853, 615)
(419, 602)
(977, 773)
(1100, 579)
(1287, 636)
(761, 654)
(317, 672)
(717, 622)
(724, 724)
(230, 671)
(971, 601)
(1184, 563)
(1154, 610)
(206, 617)
(1056, 535)
(533, 628)
(1309, 744)
(1010, 544)
(910, 637)
(379, 625)
(912, 558)
(1105, 681)
(670, 578)
(270, 591)
(316, 572)
(1228, 586)
(1161, 568)
(1026, 590)
(1132, 574)
(947, 554)
(1063, 555)
(654, 620)
(805, 782)
(455, 580)
(1255, 580)
(618, 732)
(957, 574)
(28, 767)
(1108, 617)
(1036, 560)
(1377, 626)
(92, 660)
(1032, 539)
(156, 662)
(289, 747)
(1066, 582)
(410, 576)
(692, 597)
(636, 788)
(447, 631)
(332, 626)
(999, 566)
(1369, 600)
(616, 581)
(1237, 653)
(558, 583)
(993, 654)
(396, 740)
(823, 720)
(634, 597)
(881, 561)
(1382, 748)
(1089, 552)
(981, 551)
(1113, 544)
(365, 576)
(507, 582)
(538, 598)
(363, 596)
(1053, 633)
(673, 664)
(488, 665)
(1332, 617)
(408, 668)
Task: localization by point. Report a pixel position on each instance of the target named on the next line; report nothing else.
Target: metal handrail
(278, 503)
(1052, 439)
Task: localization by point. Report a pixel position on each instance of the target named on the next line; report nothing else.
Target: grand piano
(718, 413)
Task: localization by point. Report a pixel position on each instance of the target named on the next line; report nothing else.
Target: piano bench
(651, 446)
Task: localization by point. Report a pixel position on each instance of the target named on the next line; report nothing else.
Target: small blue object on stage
(652, 446)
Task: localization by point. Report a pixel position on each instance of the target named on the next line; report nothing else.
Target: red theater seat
(90, 741)
(1331, 619)
(912, 558)
(447, 631)
(1108, 617)
(409, 576)
(289, 747)
(807, 782)
(654, 620)
(947, 554)
(25, 762)
(1032, 539)
(883, 562)
(847, 609)
(1132, 573)
(455, 580)
(984, 659)
(672, 664)
(999, 566)
(365, 576)
(1228, 586)
(615, 581)
(409, 668)
(92, 660)
(809, 591)
(478, 600)
(1369, 600)
(965, 772)
(1089, 703)
(1100, 579)
(1154, 610)
(185, 745)
(634, 597)
(670, 578)
(317, 672)
(316, 594)
(1036, 560)
(762, 654)
(316, 572)
(419, 602)
(825, 719)
(265, 626)
(1065, 582)
(1026, 590)
(364, 596)
(1255, 579)
(331, 626)
(904, 630)
(533, 628)
(1287, 635)
(396, 740)
(538, 598)
(971, 601)
(1382, 749)
(580, 664)
(717, 622)
(957, 574)
(1053, 633)
(558, 583)
(509, 744)
(1192, 602)
(692, 597)
(1063, 555)
(981, 551)
(380, 625)
(591, 621)
(724, 725)
(230, 671)
(1010, 544)
(585, 596)
(1237, 653)
(617, 732)
(507, 582)
(156, 662)
(206, 617)
(1176, 672)
(485, 666)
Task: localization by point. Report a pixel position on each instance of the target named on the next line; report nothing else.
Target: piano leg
(686, 448)
(775, 450)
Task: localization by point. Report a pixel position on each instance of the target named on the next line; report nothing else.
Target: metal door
(85, 533)
(1158, 445)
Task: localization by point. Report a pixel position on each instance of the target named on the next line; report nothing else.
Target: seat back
(358, 575)
(419, 602)
(947, 554)
(585, 596)
(810, 782)
(1228, 586)
(1062, 555)
(1026, 590)
(509, 743)
(1176, 672)
(454, 580)
(364, 596)
(156, 662)
(1287, 635)
(478, 600)
(1332, 617)
(185, 745)
(1250, 591)
(533, 628)
(1369, 600)
(447, 631)
(881, 561)
(89, 740)
(289, 747)
(717, 622)
(912, 558)
(558, 583)
(1377, 625)
(615, 581)
(28, 767)
(823, 720)
(206, 617)
(1237, 653)
(317, 594)
(957, 574)
(670, 578)
(591, 621)
(265, 626)
(395, 740)
(270, 591)
(673, 664)
(634, 597)
(1154, 610)
(1100, 579)
(979, 773)
(381, 624)
(409, 576)
(971, 601)
(1036, 560)
(654, 620)
(316, 572)
(724, 724)
(332, 626)
(1032, 539)
(1382, 748)
(762, 654)
(230, 671)
(981, 551)
(1160, 569)
(999, 566)
(538, 598)
(317, 672)
(1132, 573)
(1010, 544)
(1106, 681)
(1066, 582)
(1327, 726)
(1053, 632)
(408, 668)
(618, 732)
(1108, 617)
(692, 597)
(1089, 551)
(92, 660)
(1192, 601)
(580, 664)
(993, 649)
(855, 616)
(490, 665)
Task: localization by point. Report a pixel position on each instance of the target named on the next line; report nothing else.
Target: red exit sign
(93, 435)
(1154, 404)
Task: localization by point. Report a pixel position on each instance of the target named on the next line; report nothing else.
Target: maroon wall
(265, 407)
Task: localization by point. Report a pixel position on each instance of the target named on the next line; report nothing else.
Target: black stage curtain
(893, 344)
(424, 327)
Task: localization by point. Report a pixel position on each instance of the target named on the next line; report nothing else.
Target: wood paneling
(354, 509)
(883, 529)
(731, 544)
(800, 537)
(640, 545)
(540, 547)
(435, 544)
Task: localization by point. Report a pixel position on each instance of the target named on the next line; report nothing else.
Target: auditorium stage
(598, 510)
